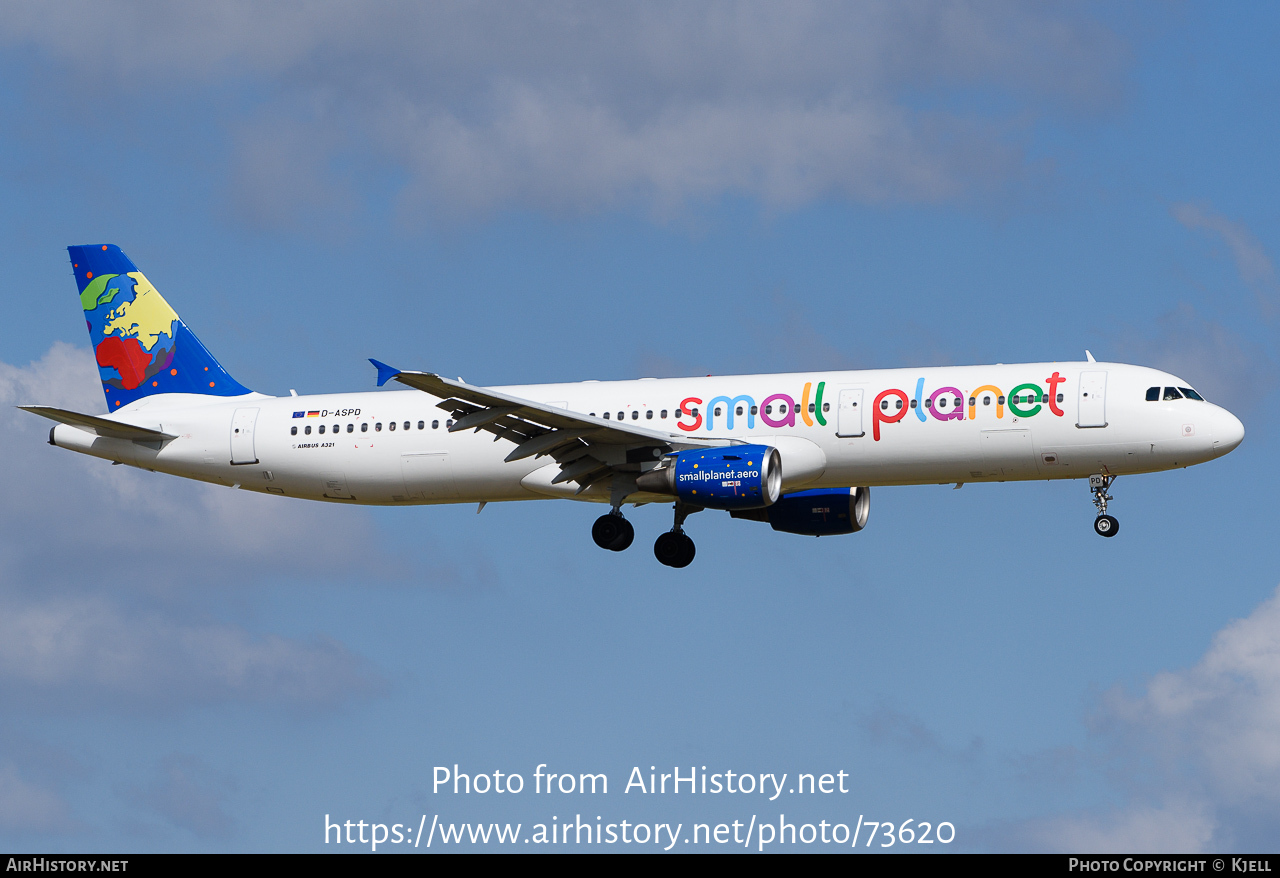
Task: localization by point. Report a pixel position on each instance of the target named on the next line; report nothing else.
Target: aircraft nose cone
(1227, 434)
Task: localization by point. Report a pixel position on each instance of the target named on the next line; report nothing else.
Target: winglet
(385, 372)
(1089, 357)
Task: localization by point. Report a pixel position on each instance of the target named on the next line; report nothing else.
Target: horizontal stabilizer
(94, 424)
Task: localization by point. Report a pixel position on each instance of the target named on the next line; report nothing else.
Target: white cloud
(79, 515)
(189, 795)
(1196, 754)
(1218, 718)
(28, 807)
(575, 106)
(100, 567)
(1222, 365)
(90, 652)
(1180, 828)
(1251, 258)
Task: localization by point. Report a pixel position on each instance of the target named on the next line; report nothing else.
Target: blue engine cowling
(730, 477)
(819, 512)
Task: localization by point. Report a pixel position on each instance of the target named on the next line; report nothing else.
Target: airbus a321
(798, 451)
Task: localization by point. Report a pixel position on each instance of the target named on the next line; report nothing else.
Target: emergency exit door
(849, 418)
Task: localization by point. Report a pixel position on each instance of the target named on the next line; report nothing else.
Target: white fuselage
(882, 427)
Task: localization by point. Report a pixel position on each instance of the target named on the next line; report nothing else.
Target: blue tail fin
(141, 344)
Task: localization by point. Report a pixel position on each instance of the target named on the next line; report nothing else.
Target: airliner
(798, 451)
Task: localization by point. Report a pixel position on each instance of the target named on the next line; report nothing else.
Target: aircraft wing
(588, 449)
(94, 424)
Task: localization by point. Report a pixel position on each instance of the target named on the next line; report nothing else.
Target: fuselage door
(849, 419)
(428, 476)
(1093, 399)
(1008, 453)
(242, 436)
(335, 486)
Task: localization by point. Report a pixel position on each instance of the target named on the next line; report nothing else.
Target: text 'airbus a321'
(799, 451)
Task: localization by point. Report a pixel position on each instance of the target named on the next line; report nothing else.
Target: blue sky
(543, 192)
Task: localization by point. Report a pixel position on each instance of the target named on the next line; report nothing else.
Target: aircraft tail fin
(141, 345)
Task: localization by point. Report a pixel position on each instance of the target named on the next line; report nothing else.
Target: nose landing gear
(674, 548)
(1104, 525)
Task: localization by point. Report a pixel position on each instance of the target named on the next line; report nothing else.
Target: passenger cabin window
(377, 428)
(622, 415)
(1153, 394)
(293, 431)
(717, 411)
(663, 414)
(435, 425)
(635, 415)
(738, 410)
(826, 406)
(1059, 397)
(1172, 393)
(648, 415)
(606, 416)
(1191, 394)
(422, 425)
(321, 430)
(307, 429)
(391, 426)
(351, 428)
(364, 428)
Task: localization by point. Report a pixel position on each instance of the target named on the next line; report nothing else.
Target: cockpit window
(1153, 394)
(1191, 394)
(1172, 393)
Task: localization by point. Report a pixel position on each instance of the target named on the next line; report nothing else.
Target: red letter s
(684, 409)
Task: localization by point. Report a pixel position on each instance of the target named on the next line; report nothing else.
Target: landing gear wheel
(1104, 525)
(674, 549)
(612, 532)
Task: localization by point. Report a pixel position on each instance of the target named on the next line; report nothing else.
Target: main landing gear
(613, 532)
(674, 548)
(1104, 525)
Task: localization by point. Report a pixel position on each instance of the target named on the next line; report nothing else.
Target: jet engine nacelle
(818, 513)
(730, 477)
